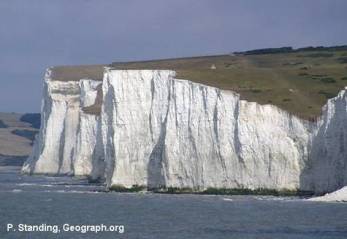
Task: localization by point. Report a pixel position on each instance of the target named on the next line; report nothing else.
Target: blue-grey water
(36, 200)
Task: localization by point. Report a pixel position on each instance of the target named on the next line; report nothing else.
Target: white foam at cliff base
(337, 196)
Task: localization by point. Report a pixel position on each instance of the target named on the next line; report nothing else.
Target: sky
(37, 34)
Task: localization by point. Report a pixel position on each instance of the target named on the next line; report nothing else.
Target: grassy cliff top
(298, 81)
(75, 73)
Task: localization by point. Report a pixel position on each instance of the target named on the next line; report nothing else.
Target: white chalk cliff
(158, 131)
(327, 169)
(67, 138)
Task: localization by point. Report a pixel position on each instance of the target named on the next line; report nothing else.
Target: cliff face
(66, 138)
(158, 131)
(327, 169)
(86, 140)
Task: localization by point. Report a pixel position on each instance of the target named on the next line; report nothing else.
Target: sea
(65, 207)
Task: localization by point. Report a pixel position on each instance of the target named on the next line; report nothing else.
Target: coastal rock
(86, 140)
(65, 139)
(327, 169)
(147, 128)
(164, 132)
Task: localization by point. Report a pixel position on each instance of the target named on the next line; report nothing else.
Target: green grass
(319, 54)
(265, 78)
(300, 76)
(75, 73)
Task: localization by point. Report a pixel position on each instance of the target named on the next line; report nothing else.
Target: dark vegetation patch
(260, 191)
(323, 78)
(342, 60)
(292, 50)
(344, 78)
(318, 75)
(328, 80)
(2, 124)
(174, 190)
(214, 191)
(256, 90)
(266, 51)
(319, 54)
(327, 95)
(32, 118)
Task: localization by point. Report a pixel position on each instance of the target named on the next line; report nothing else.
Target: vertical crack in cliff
(47, 111)
(157, 159)
(151, 109)
(237, 143)
(191, 137)
(174, 99)
(217, 144)
(108, 121)
(61, 148)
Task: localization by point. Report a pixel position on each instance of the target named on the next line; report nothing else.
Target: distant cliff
(147, 128)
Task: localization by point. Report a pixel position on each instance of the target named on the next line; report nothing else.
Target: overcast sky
(36, 34)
